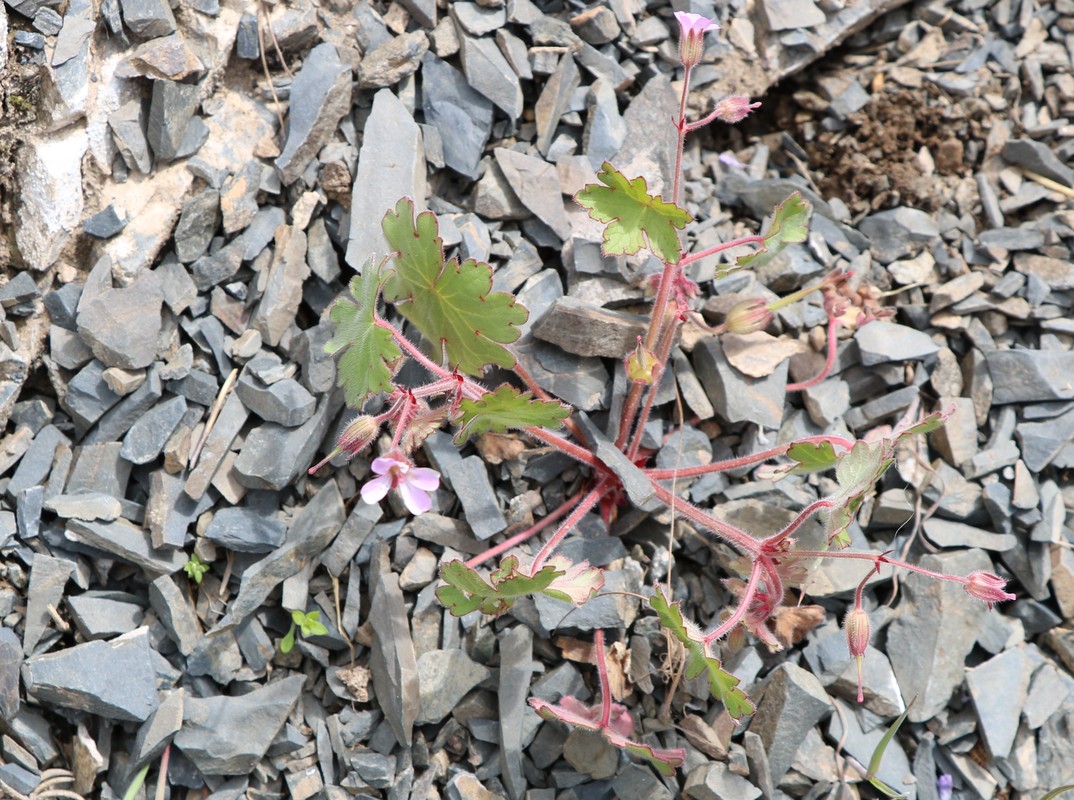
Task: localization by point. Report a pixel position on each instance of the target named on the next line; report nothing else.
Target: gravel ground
(185, 190)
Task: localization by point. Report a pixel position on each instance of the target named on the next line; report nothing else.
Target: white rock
(49, 174)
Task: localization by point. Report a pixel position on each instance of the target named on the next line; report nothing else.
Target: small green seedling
(195, 568)
(309, 623)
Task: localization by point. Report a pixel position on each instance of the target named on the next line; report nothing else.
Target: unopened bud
(734, 108)
(358, 434)
(749, 316)
(856, 625)
(988, 587)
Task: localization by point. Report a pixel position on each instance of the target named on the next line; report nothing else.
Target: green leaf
(311, 624)
(812, 457)
(136, 783)
(506, 408)
(633, 216)
(466, 591)
(452, 304)
(789, 225)
(1054, 793)
(722, 684)
(363, 369)
(878, 755)
(287, 643)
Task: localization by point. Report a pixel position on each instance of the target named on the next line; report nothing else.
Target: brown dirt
(20, 90)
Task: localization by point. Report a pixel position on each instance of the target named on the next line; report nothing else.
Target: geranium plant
(468, 328)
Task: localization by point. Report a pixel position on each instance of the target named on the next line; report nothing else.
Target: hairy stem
(692, 257)
(740, 610)
(605, 683)
(722, 530)
(833, 342)
(803, 515)
(568, 524)
(529, 532)
(744, 461)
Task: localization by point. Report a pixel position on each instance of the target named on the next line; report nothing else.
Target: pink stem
(740, 610)
(690, 259)
(522, 536)
(583, 508)
(723, 530)
(744, 461)
(879, 559)
(833, 327)
(803, 515)
(605, 683)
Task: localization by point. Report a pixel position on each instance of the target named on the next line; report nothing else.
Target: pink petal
(383, 464)
(377, 489)
(415, 500)
(424, 478)
(691, 23)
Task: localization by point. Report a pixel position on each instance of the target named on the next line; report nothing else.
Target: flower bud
(358, 435)
(749, 316)
(734, 108)
(856, 625)
(988, 587)
(692, 28)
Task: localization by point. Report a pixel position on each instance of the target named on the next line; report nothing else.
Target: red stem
(692, 257)
(740, 611)
(605, 683)
(583, 508)
(723, 530)
(522, 536)
(744, 461)
(803, 515)
(833, 327)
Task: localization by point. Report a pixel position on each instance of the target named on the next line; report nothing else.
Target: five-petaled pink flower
(988, 587)
(692, 29)
(413, 483)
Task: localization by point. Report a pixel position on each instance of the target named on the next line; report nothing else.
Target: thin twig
(218, 404)
(1048, 183)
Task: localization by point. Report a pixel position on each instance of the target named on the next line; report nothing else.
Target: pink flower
(413, 483)
(988, 587)
(692, 29)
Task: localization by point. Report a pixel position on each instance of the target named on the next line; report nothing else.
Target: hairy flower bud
(856, 625)
(734, 108)
(692, 28)
(988, 587)
(749, 316)
(358, 435)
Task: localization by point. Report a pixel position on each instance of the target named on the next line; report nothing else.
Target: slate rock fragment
(462, 115)
(934, 630)
(489, 73)
(444, 678)
(197, 225)
(99, 614)
(10, 661)
(1021, 376)
(793, 702)
(272, 455)
(147, 436)
(735, 396)
(393, 61)
(210, 735)
(715, 781)
(126, 542)
(392, 659)
(320, 96)
(313, 527)
(1038, 157)
(148, 19)
(85, 506)
(88, 396)
(391, 165)
(84, 678)
(176, 612)
(170, 114)
(286, 402)
(898, 232)
(882, 341)
(48, 576)
(122, 325)
(245, 531)
(119, 419)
